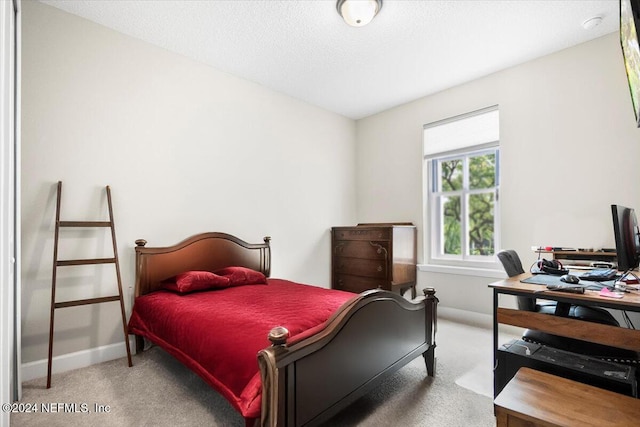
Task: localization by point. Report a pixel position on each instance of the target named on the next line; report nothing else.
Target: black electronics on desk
(515, 354)
(600, 275)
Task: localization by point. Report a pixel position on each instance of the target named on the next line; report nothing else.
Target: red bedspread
(218, 333)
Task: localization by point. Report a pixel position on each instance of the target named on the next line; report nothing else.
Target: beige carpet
(158, 391)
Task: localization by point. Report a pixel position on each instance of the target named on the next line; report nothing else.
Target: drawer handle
(379, 268)
(338, 248)
(381, 249)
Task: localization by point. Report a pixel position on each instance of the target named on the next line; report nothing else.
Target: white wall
(569, 149)
(185, 149)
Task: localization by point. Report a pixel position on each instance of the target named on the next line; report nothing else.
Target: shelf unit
(580, 258)
(87, 261)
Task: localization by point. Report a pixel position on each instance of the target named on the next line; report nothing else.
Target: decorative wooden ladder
(63, 263)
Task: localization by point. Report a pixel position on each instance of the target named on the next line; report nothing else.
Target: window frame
(433, 244)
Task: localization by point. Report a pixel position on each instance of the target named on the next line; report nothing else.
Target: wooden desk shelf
(533, 398)
(584, 258)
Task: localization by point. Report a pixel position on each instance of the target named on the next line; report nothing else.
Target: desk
(567, 327)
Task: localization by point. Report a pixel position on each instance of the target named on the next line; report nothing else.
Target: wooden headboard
(205, 251)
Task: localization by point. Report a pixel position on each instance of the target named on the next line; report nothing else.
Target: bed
(281, 353)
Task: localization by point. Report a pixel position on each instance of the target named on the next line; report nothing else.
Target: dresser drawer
(361, 249)
(360, 267)
(355, 233)
(358, 284)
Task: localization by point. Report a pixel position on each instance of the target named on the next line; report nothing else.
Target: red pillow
(191, 281)
(242, 276)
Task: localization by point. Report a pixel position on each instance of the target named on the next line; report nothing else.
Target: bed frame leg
(430, 360)
(139, 344)
(431, 319)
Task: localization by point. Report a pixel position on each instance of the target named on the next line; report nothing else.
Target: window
(462, 173)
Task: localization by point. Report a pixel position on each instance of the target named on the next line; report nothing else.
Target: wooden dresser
(371, 256)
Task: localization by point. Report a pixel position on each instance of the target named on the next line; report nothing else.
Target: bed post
(431, 319)
(265, 257)
(273, 379)
(140, 243)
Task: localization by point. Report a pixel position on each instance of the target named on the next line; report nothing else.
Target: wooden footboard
(364, 342)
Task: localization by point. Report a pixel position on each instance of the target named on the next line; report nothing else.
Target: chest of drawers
(371, 256)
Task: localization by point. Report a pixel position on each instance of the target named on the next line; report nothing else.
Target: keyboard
(599, 274)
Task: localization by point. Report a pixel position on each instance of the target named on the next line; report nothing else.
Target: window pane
(481, 224)
(482, 171)
(451, 225)
(451, 175)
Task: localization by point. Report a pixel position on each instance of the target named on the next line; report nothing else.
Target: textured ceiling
(304, 49)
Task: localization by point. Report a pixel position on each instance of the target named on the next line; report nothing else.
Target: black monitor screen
(625, 230)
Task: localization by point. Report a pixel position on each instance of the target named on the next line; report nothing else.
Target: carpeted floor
(158, 391)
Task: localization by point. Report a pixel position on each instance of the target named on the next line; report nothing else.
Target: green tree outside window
(470, 179)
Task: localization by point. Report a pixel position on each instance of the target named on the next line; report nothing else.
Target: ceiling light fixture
(358, 13)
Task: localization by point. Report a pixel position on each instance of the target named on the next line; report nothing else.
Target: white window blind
(477, 129)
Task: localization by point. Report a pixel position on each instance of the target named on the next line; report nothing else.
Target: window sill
(462, 271)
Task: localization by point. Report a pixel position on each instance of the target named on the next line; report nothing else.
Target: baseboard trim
(481, 320)
(473, 318)
(70, 361)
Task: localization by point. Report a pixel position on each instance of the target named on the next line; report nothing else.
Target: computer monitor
(625, 231)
